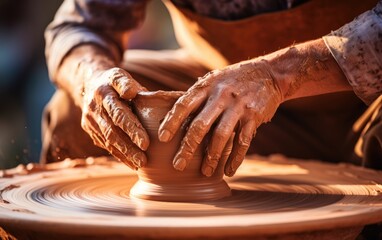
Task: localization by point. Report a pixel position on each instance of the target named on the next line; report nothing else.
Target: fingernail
(143, 144)
(139, 159)
(180, 164)
(164, 135)
(208, 171)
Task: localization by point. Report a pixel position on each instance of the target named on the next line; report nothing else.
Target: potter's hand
(236, 99)
(108, 119)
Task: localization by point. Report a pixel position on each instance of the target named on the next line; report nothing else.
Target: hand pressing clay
(158, 179)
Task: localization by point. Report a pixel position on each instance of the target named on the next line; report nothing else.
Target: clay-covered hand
(236, 99)
(108, 119)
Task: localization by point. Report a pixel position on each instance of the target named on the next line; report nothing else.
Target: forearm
(86, 36)
(91, 77)
(79, 66)
(306, 69)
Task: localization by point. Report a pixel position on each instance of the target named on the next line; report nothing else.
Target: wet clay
(272, 198)
(159, 180)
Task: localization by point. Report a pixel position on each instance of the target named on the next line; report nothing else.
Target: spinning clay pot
(158, 180)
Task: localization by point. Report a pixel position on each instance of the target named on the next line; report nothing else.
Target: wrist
(271, 75)
(79, 67)
(91, 65)
(306, 69)
(283, 66)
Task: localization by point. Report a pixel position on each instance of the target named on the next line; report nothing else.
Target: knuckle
(108, 102)
(129, 90)
(118, 77)
(183, 102)
(124, 150)
(116, 72)
(125, 89)
(115, 80)
(222, 132)
(217, 102)
(209, 160)
(213, 158)
(220, 106)
(251, 109)
(198, 126)
(124, 85)
(109, 99)
(242, 150)
(111, 106)
(188, 147)
(244, 141)
(129, 149)
(118, 116)
(197, 131)
(101, 91)
(224, 90)
(108, 133)
(130, 127)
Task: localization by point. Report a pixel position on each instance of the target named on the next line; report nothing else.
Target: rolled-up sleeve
(357, 48)
(100, 22)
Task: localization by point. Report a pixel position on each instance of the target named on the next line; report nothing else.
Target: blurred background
(24, 83)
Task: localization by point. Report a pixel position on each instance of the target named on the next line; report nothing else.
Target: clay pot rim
(161, 93)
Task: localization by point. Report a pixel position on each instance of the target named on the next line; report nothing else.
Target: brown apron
(217, 43)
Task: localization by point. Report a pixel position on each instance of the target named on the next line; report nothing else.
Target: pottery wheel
(268, 195)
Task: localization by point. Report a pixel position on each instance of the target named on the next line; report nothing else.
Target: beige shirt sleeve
(100, 22)
(357, 48)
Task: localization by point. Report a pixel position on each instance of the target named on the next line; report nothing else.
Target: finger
(97, 139)
(123, 117)
(197, 130)
(89, 126)
(222, 133)
(94, 131)
(185, 105)
(240, 148)
(120, 156)
(124, 84)
(114, 137)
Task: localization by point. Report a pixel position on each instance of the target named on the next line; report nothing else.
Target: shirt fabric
(235, 9)
(357, 46)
